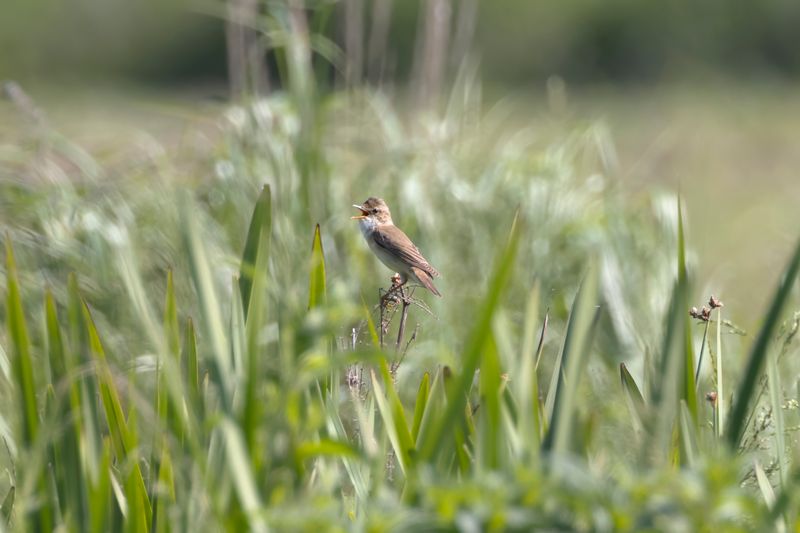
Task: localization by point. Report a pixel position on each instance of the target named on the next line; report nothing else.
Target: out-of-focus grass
(285, 412)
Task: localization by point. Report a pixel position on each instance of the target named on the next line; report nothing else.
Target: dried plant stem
(700, 359)
(403, 317)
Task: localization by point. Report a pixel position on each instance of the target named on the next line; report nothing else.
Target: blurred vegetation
(189, 332)
(517, 40)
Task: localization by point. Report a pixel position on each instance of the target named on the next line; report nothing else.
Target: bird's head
(374, 210)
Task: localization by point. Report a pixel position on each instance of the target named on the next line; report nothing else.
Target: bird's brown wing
(393, 240)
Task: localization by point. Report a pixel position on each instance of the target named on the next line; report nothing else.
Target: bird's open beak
(363, 214)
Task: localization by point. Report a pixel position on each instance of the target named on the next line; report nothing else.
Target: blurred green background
(135, 138)
(699, 97)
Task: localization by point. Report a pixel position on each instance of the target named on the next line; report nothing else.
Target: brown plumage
(392, 246)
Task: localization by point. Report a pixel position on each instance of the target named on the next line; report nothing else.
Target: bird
(392, 246)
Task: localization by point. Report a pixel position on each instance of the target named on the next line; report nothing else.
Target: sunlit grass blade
(22, 372)
(689, 392)
(633, 397)
(665, 389)
(68, 471)
(577, 346)
(490, 389)
(316, 289)
(688, 436)
(192, 368)
(123, 442)
(8, 504)
(238, 464)
(257, 241)
(776, 404)
(433, 441)
(165, 492)
(21, 359)
(722, 402)
(393, 413)
(100, 499)
(209, 303)
(758, 354)
(255, 308)
(526, 385)
(354, 471)
(84, 403)
(420, 404)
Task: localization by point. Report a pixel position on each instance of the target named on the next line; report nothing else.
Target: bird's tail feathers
(426, 280)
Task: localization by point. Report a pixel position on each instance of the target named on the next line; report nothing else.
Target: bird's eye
(374, 210)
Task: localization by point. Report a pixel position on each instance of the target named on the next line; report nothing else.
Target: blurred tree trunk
(247, 72)
(464, 31)
(431, 50)
(354, 41)
(378, 40)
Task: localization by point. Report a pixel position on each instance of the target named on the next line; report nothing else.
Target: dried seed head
(693, 313)
(714, 303)
(711, 397)
(705, 314)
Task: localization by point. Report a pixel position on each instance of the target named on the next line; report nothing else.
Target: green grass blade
(577, 346)
(21, 359)
(255, 318)
(633, 397)
(527, 385)
(123, 441)
(69, 474)
(490, 389)
(238, 463)
(100, 498)
(689, 393)
(192, 367)
(721, 400)
(257, 241)
(209, 304)
(317, 290)
(8, 504)
(394, 417)
(758, 354)
(433, 440)
(776, 403)
(420, 404)
(109, 394)
(688, 436)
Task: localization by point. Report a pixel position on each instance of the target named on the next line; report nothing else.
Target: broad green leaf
(758, 354)
(317, 290)
(257, 242)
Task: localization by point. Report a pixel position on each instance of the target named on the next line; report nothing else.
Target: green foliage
(262, 400)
